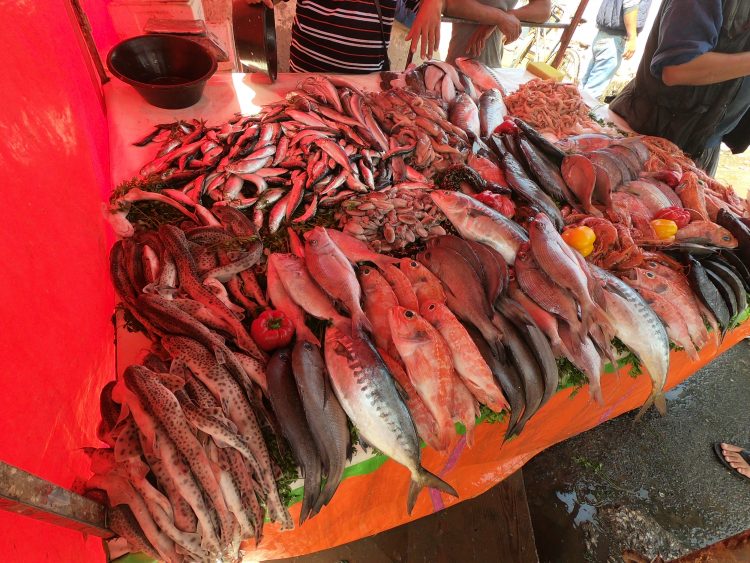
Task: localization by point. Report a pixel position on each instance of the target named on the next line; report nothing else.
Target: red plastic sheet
(56, 348)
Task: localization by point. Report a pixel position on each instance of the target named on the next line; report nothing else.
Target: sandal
(744, 454)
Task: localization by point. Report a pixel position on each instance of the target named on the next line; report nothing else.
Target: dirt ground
(734, 169)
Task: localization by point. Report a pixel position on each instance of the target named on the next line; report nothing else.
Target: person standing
(618, 22)
(485, 41)
(692, 83)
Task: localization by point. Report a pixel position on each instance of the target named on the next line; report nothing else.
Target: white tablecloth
(131, 118)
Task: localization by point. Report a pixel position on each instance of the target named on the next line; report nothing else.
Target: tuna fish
(369, 397)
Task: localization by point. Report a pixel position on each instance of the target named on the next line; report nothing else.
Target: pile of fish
(446, 287)
(392, 218)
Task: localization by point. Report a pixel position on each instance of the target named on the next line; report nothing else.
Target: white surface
(131, 118)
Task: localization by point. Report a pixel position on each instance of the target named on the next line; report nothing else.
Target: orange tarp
(367, 504)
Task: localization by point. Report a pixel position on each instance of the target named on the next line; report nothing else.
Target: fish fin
(361, 322)
(426, 479)
(220, 357)
(171, 381)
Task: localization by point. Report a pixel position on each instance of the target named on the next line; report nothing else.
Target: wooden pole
(568, 33)
(29, 495)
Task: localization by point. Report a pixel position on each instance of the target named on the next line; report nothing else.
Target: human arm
(536, 11)
(426, 28)
(507, 23)
(709, 68)
(688, 32)
(630, 18)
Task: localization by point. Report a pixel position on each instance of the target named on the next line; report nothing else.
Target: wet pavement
(654, 487)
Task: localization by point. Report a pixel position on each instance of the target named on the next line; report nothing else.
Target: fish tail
(329, 489)
(426, 479)
(657, 399)
(312, 492)
(595, 391)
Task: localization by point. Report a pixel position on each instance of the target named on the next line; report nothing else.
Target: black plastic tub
(168, 71)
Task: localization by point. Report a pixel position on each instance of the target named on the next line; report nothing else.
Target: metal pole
(545, 25)
(568, 33)
(29, 495)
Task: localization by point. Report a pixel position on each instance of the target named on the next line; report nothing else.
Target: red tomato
(272, 329)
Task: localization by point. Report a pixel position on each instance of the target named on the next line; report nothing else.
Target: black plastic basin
(168, 71)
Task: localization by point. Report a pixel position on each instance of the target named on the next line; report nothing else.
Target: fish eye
(726, 238)
(431, 307)
(366, 271)
(409, 314)
(413, 264)
(652, 264)
(650, 275)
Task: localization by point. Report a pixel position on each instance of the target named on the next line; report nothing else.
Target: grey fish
(638, 327)
(366, 391)
(539, 344)
(288, 408)
(526, 366)
(325, 417)
(506, 376)
(708, 293)
(464, 113)
(492, 111)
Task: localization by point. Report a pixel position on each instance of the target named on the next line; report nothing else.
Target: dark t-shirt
(341, 35)
(690, 28)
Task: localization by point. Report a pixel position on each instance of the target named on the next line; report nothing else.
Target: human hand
(426, 28)
(509, 25)
(630, 45)
(478, 40)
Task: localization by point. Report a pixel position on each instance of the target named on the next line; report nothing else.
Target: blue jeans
(607, 56)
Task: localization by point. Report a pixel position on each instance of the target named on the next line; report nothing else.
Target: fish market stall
(377, 208)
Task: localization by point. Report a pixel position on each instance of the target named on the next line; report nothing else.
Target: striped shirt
(341, 35)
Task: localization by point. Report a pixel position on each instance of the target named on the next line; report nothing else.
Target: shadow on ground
(654, 487)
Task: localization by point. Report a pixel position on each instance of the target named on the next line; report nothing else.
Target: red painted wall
(56, 337)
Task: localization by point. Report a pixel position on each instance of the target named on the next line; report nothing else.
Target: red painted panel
(56, 346)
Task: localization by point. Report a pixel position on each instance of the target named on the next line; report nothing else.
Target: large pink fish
(329, 267)
(467, 360)
(379, 298)
(428, 363)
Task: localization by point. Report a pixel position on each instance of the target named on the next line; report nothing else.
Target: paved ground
(653, 487)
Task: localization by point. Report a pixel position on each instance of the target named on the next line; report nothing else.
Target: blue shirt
(689, 29)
